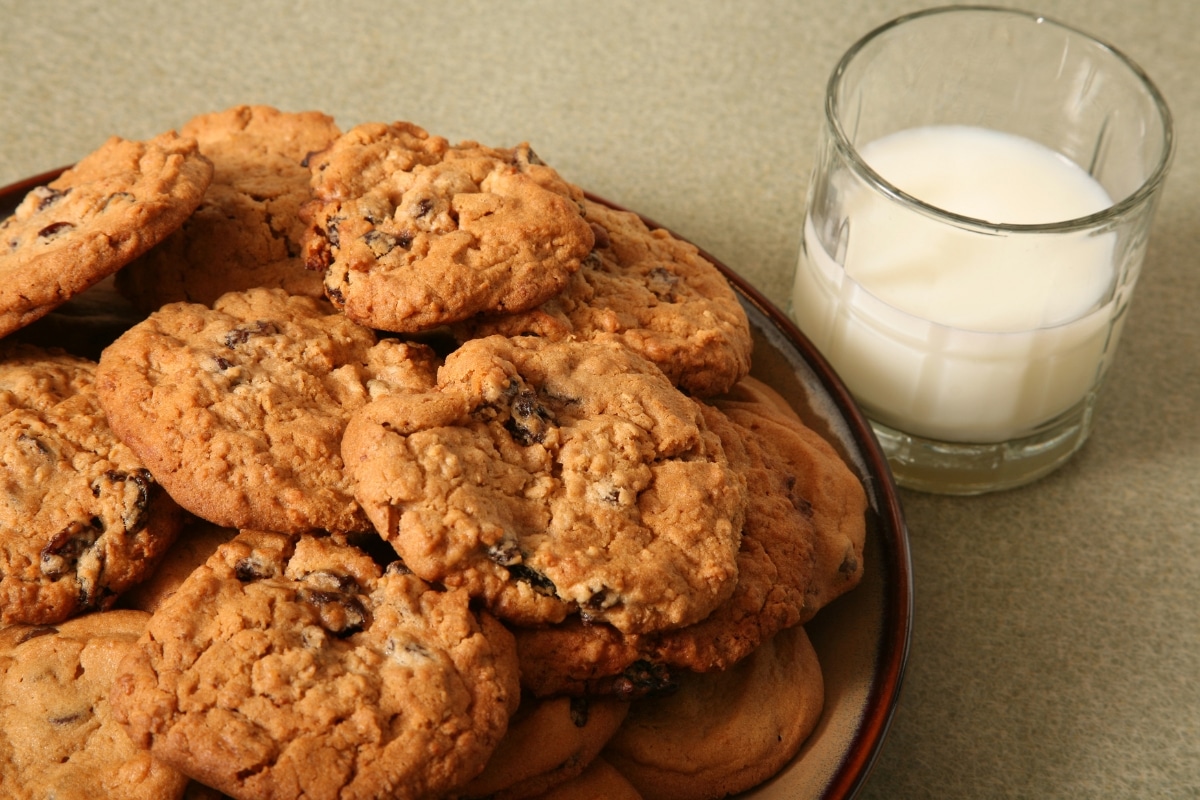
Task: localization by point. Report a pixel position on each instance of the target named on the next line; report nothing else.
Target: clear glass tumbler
(973, 304)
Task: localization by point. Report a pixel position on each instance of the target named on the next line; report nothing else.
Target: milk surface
(956, 334)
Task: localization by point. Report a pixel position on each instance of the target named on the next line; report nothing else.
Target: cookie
(111, 207)
(776, 564)
(247, 230)
(84, 519)
(413, 233)
(293, 666)
(722, 733)
(600, 781)
(238, 410)
(58, 737)
(554, 478)
(196, 543)
(825, 488)
(651, 292)
(548, 743)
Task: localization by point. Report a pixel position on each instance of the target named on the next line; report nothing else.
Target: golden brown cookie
(722, 733)
(111, 207)
(801, 545)
(552, 478)
(246, 232)
(293, 666)
(548, 743)
(195, 544)
(239, 410)
(651, 292)
(58, 737)
(600, 781)
(83, 519)
(413, 233)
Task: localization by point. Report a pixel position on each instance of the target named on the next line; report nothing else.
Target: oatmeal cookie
(238, 410)
(413, 233)
(58, 737)
(84, 519)
(111, 207)
(246, 232)
(651, 292)
(293, 666)
(722, 733)
(552, 478)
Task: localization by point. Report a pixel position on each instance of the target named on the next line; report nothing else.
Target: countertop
(1056, 640)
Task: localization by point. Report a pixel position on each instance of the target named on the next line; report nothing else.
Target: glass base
(964, 468)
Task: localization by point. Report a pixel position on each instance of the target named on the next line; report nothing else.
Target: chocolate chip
(54, 230)
(243, 333)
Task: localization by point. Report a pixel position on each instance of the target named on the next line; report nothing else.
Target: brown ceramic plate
(861, 639)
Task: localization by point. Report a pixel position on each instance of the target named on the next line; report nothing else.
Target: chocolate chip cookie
(294, 666)
(83, 519)
(413, 233)
(246, 232)
(554, 478)
(58, 737)
(111, 207)
(649, 291)
(238, 410)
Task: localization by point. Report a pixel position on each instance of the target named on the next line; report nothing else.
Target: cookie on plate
(552, 478)
(246, 232)
(777, 565)
(548, 743)
(238, 410)
(651, 292)
(84, 519)
(600, 781)
(293, 666)
(413, 233)
(58, 737)
(84, 225)
(722, 733)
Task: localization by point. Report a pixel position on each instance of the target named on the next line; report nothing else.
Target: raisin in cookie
(552, 478)
(777, 563)
(238, 410)
(293, 666)
(58, 737)
(413, 233)
(722, 733)
(84, 520)
(548, 743)
(111, 207)
(247, 230)
(653, 293)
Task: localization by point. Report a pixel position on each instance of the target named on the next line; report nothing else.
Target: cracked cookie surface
(83, 226)
(554, 478)
(238, 410)
(246, 232)
(651, 292)
(83, 519)
(412, 232)
(58, 736)
(293, 666)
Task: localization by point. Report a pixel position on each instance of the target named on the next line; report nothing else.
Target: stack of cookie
(408, 470)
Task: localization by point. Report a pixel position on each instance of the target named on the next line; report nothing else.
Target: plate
(862, 638)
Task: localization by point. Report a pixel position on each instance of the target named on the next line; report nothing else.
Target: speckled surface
(1056, 643)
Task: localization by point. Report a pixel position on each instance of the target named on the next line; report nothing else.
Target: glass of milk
(977, 217)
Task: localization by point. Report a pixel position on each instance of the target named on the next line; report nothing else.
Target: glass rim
(1138, 197)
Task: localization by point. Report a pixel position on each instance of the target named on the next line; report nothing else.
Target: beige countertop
(1056, 637)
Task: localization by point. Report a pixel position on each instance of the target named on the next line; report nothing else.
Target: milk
(947, 332)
